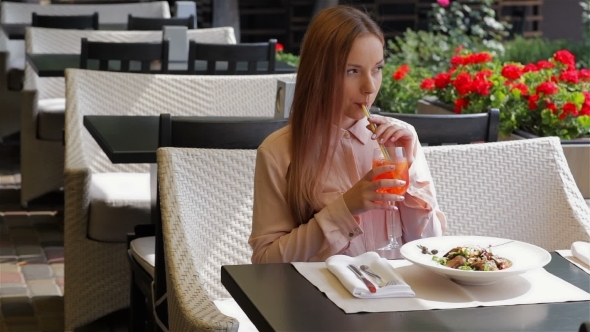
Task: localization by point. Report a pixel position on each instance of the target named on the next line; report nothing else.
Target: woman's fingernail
(401, 198)
(392, 166)
(402, 182)
(373, 136)
(381, 140)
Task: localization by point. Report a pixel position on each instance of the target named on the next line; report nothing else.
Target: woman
(313, 194)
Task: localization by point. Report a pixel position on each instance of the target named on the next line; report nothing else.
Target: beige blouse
(277, 237)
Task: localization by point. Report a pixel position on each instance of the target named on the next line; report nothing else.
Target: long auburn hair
(317, 103)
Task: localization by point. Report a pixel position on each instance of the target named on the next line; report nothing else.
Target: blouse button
(351, 234)
(346, 134)
(358, 231)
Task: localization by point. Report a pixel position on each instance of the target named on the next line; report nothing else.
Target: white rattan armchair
(42, 154)
(97, 273)
(521, 190)
(206, 221)
(10, 100)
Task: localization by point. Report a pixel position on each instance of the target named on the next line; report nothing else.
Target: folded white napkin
(581, 250)
(338, 265)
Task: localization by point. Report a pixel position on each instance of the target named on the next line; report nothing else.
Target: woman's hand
(363, 196)
(390, 134)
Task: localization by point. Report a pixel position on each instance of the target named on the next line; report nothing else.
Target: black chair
(187, 132)
(151, 23)
(80, 22)
(145, 53)
(252, 53)
(434, 129)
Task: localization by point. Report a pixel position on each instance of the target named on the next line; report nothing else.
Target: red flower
(442, 80)
(457, 60)
(524, 90)
(482, 86)
(565, 57)
(584, 75)
(279, 47)
(401, 72)
(571, 108)
(482, 57)
(459, 104)
(529, 68)
(512, 72)
(551, 106)
(570, 76)
(533, 102)
(483, 74)
(547, 88)
(463, 83)
(544, 64)
(427, 84)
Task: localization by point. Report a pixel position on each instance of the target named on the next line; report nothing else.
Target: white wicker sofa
(42, 119)
(16, 12)
(521, 190)
(96, 269)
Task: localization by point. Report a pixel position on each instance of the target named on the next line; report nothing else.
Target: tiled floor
(32, 259)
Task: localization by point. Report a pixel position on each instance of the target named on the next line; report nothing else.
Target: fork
(382, 283)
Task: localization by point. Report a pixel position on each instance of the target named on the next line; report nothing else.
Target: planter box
(431, 105)
(577, 152)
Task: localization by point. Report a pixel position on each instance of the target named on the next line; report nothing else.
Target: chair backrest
(206, 219)
(252, 53)
(14, 12)
(226, 132)
(453, 128)
(521, 190)
(209, 133)
(151, 23)
(60, 41)
(92, 92)
(79, 22)
(145, 53)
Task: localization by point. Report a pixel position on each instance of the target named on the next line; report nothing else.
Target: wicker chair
(206, 223)
(97, 272)
(43, 114)
(10, 110)
(522, 190)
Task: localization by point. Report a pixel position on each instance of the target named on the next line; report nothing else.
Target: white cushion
(143, 250)
(51, 118)
(118, 202)
(16, 50)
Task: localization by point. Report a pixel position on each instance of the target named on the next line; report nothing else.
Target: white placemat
(567, 254)
(434, 291)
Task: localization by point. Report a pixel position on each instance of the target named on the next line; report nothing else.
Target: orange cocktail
(400, 172)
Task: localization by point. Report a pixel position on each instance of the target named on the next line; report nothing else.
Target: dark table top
(277, 298)
(54, 65)
(125, 139)
(17, 30)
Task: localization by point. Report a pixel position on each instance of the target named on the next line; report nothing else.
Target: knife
(358, 273)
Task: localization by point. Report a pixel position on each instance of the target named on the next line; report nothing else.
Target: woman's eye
(379, 68)
(351, 71)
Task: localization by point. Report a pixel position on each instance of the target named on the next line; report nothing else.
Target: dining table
(17, 30)
(54, 65)
(276, 297)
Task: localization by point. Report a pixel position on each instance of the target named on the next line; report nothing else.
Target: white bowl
(524, 257)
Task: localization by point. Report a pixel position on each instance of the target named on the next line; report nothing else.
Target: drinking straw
(373, 128)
